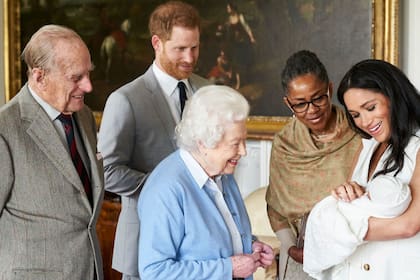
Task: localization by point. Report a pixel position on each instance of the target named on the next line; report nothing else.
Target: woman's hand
(266, 253)
(348, 191)
(245, 265)
(296, 254)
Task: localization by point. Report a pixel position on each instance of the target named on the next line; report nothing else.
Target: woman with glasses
(310, 156)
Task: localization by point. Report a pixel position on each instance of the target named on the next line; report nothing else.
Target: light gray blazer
(47, 225)
(137, 132)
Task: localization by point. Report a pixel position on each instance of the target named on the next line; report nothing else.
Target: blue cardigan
(182, 233)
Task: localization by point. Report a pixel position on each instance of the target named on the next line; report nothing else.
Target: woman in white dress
(383, 106)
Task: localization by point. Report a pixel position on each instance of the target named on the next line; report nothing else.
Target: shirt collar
(198, 173)
(51, 112)
(167, 82)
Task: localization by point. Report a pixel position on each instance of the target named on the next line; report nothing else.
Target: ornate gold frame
(385, 25)
(12, 68)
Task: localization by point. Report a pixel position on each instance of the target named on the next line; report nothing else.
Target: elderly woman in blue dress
(194, 223)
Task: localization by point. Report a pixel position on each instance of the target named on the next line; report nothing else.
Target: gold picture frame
(384, 45)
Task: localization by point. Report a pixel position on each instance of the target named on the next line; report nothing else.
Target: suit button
(366, 267)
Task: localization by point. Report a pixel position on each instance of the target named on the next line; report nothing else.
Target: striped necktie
(67, 122)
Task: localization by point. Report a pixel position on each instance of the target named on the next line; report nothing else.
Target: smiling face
(224, 158)
(370, 112)
(65, 85)
(304, 89)
(178, 55)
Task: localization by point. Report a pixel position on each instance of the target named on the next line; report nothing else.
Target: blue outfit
(182, 233)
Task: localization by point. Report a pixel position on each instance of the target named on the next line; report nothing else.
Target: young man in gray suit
(51, 181)
(137, 129)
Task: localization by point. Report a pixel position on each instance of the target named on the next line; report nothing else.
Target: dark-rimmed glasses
(301, 107)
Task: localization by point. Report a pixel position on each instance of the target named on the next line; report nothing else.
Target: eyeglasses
(303, 106)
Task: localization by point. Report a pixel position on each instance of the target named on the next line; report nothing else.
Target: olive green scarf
(303, 172)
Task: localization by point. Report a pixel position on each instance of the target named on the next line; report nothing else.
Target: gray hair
(206, 115)
(40, 51)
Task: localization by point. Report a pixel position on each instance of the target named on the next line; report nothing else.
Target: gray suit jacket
(137, 132)
(47, 225)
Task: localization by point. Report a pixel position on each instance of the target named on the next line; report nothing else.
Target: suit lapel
(192, 83)
(45, 136)
(163, 112)
(161, 106)
(89, 142)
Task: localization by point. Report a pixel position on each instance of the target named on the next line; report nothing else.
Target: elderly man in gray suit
(51, 181)
(138, 124)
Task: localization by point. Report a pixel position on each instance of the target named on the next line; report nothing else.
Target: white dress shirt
(169, 86)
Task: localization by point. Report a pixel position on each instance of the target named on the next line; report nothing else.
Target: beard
(174, 69)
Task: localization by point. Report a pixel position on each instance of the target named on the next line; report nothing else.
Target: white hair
(41, 50)
(206, 115)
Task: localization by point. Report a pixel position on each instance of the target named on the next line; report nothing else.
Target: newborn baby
(335, 228)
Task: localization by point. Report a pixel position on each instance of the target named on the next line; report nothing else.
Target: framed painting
(244, 44)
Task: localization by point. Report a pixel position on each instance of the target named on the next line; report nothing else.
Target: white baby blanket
(335, 228)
